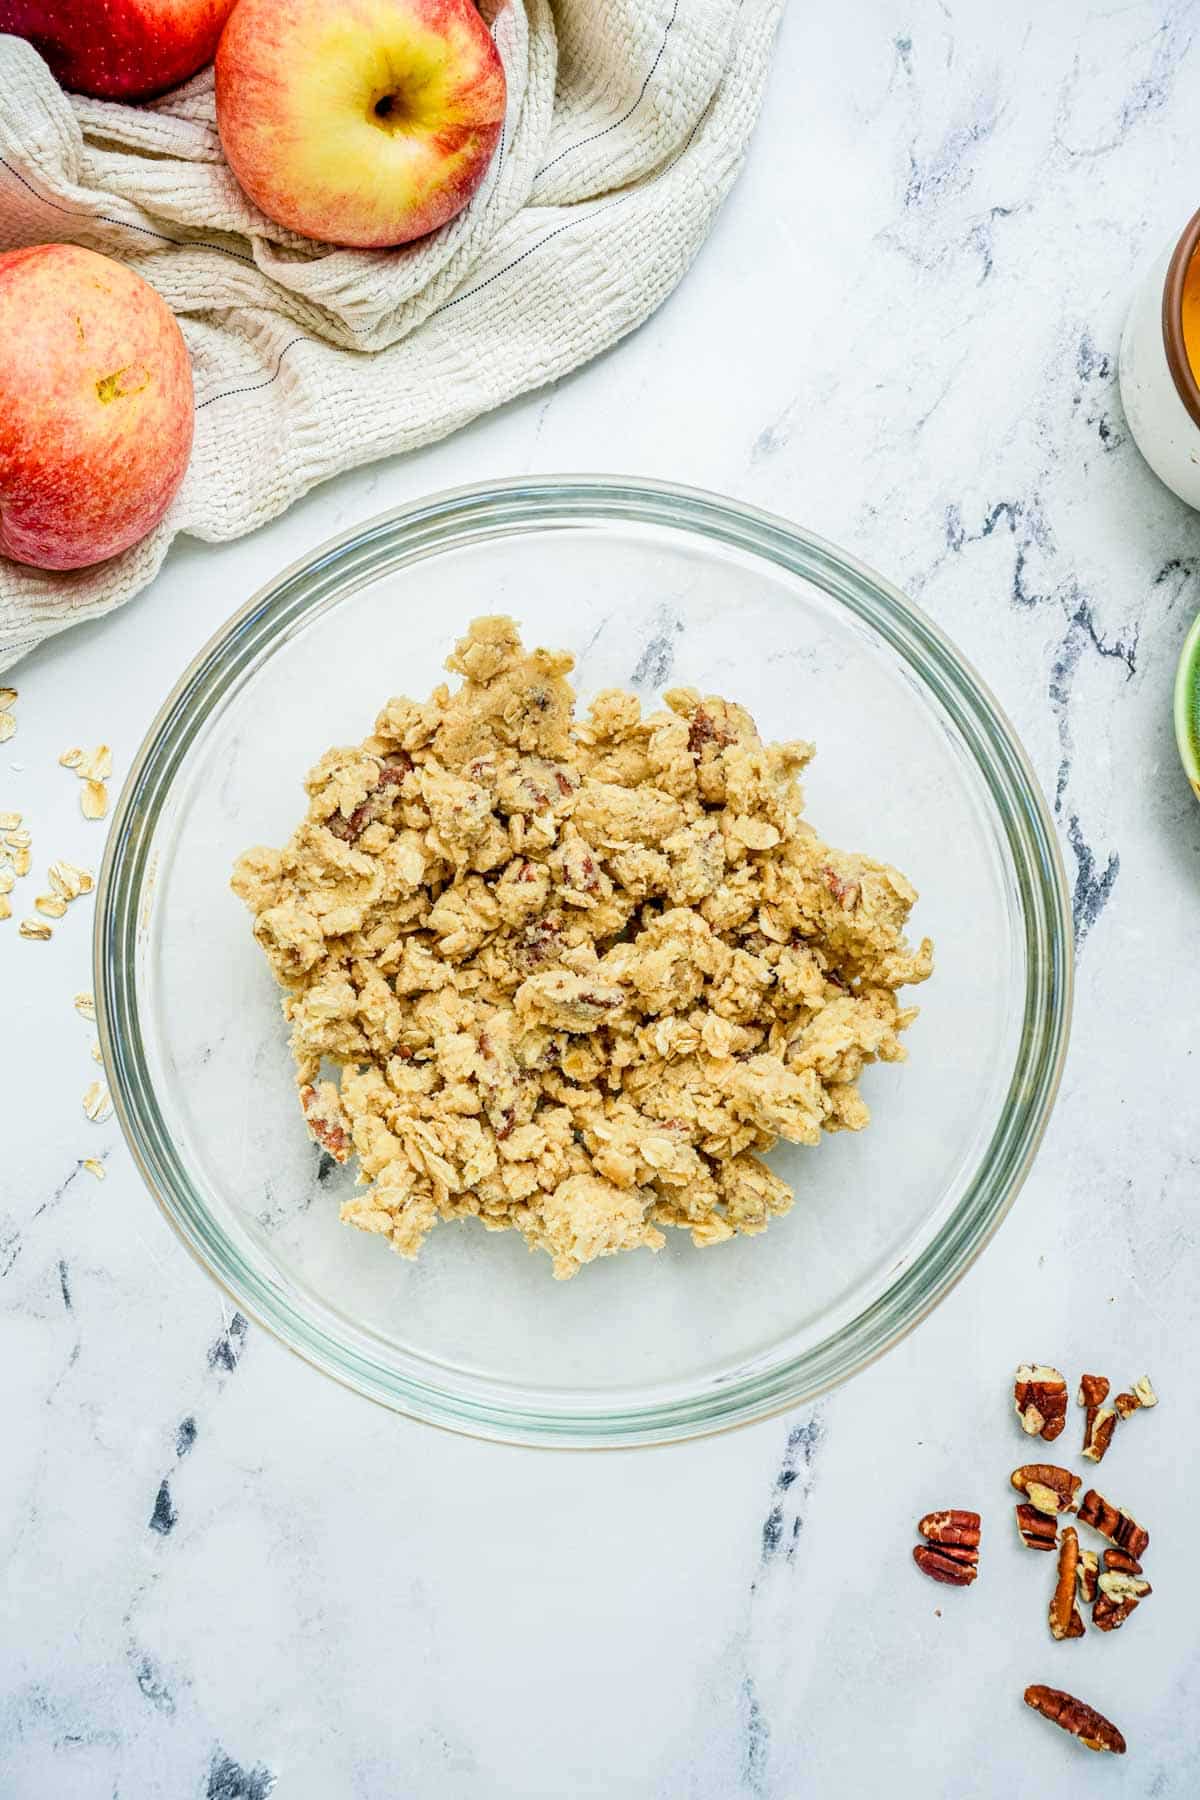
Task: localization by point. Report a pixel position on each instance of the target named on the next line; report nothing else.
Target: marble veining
(227, 1780)
(792, 1488)
(226, 1352)
(653, 667)
(226, 1578)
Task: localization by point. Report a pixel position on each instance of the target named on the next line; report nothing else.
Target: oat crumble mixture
(574, 975)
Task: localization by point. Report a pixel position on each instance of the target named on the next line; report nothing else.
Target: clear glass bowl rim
(438, 523)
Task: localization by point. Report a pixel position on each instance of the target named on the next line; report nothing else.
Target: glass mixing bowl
(648, 585)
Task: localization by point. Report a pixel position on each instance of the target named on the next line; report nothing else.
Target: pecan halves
(1077, 1717)
(1066, 1621)
(952, 1526)
(956, 1566)
(1038, 1530)
(1046, 1486)
(1040, 1398)
(1120, 1528)
(1142, 1395)
(1118, 1597)
(1122, 1562)
(1099, 1421)
(951, 1554)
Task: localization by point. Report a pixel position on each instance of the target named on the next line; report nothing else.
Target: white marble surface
(226, 1578)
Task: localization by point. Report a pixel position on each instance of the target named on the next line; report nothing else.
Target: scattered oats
(18, 839)
(8, 726)
(96, 1056)
(9, 821)
(94, 800)
(96, 1102)
(93, 1167)
(85, 1006)
(21, 860)
(8, 697)
(36, 928)
(52, 905)
(71, 759)
(5, 907)
(97, 765)
(7, 879)
(69, 881)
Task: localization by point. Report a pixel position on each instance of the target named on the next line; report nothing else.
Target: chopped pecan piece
(1119, 1596)
(327, 1123)
(1038, 1531)
(505, 1128)
(951, 1527)
(1088, 1575)
(1077, 1717)
(539, 943)
(1122, 1562)
(1066, 1621)
(396, 766)
(1142, 1395)
(1093, 1391)
(705, 730)
(1046, 1486)
(1120, 1528)
(846, 893)
(956, 1566)
(1040, 1397)
(349, 829)
(1100, 1420)
(1100, 1426)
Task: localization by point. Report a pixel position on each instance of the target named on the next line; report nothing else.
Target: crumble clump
(574, 975)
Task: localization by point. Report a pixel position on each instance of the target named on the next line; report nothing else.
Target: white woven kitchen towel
(627, 121)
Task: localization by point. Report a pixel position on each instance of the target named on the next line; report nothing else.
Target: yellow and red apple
(96, 410)
(362, 122)
(119, 49)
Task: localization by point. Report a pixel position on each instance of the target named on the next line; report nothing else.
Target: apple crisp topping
(573, 976)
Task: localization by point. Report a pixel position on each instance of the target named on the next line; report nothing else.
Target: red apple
(366, 122)
(96, 407)
(119, 49)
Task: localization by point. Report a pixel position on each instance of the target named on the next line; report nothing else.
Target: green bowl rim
(1187, 706)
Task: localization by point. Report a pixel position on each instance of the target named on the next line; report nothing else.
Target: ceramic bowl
(1159, 389)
